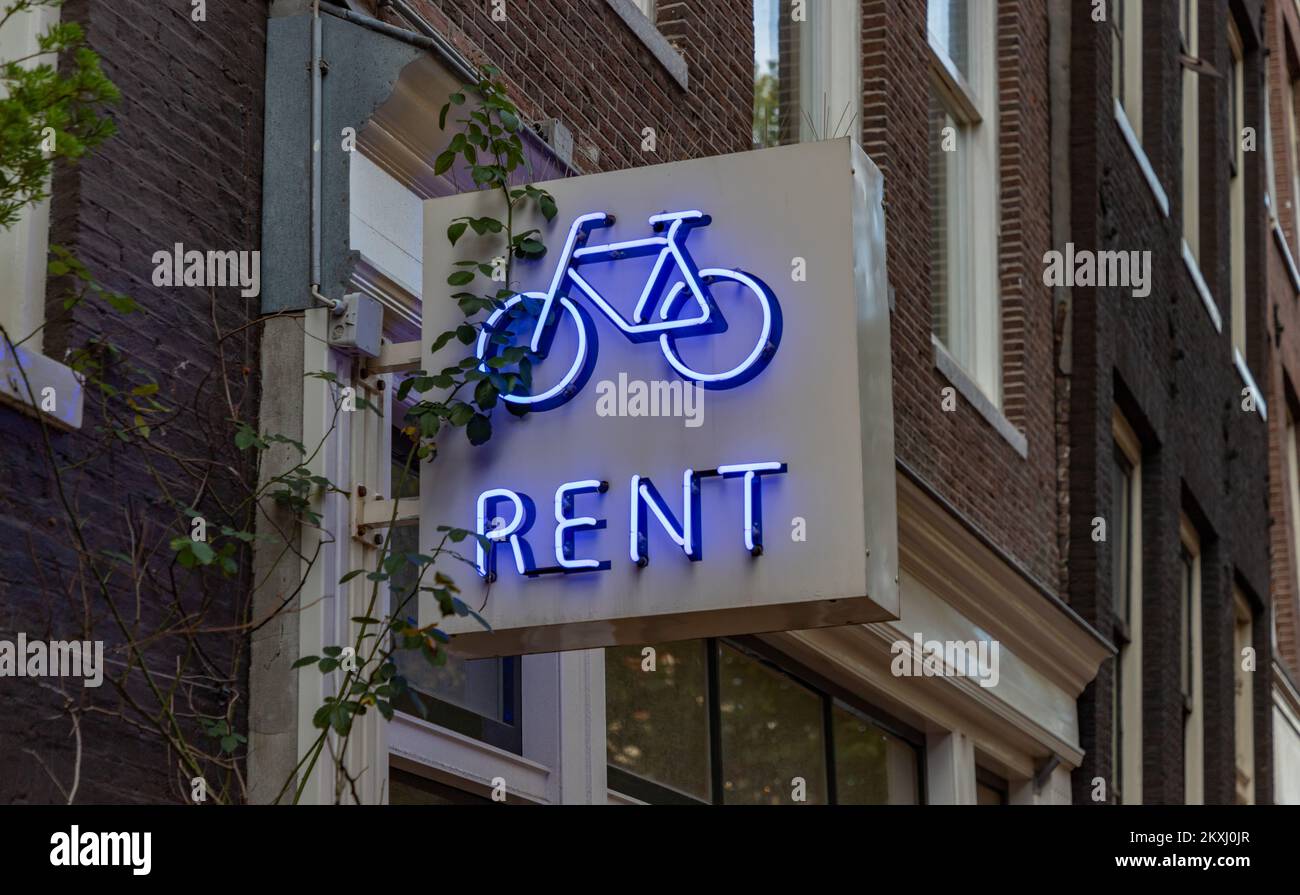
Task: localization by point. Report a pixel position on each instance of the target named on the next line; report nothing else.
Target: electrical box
(357, 325)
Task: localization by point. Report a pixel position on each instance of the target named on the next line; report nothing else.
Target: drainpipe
(334, 304)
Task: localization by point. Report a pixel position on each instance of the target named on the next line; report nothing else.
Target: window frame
(971, 305)
(831, 695)
(24, 251)
(1237, 188)
(1126, 66)
(1191, 652)
(1243, 702)
(1188, 24)
(1126, 721)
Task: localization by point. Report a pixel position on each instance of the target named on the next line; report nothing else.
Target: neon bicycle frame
(639, 328)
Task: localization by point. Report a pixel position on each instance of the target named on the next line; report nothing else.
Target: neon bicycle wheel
(752, 362)
(581, 343)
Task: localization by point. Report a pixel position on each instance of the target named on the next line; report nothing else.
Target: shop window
(1190, 673)
(1243, 699)
(806, 71)
(963, 166)
(729, 722)
(658, 722)
(1125, 534)
(481, 698)
(1126, 60)
(990, 789)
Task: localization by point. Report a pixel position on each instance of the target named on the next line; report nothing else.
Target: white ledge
(1280, 238)
(1140, 154)
(1243, 370)
(1189, 260)
(40, 373)
(974, 395)
(654, 40)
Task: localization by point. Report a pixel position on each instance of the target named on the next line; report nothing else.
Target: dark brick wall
(185, 166)
(1010, 499)
(1162, 363)
(578, 61)
(1283, 327)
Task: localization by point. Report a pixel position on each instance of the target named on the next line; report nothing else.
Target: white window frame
(1237, 189)
(830, 79)
(1126, 67)
(1191, 130)
(1243, 700)
(23, 251)
(1129, 721)
(1192, 652)
(973, 303)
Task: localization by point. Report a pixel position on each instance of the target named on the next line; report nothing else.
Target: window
(1237, 188)
(1243, 699)
(722, 721)
(1191, 131)
(963, 189)
(1126, 60)
(1293, 164)
(806, 71)
(1292, 449)
(990, 789)
(481, 698)
(23, 249)
(1126, 593)
(1189, 653)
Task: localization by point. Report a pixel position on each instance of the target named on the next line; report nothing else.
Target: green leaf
(443, 162)
(202, 552)
(485, 394)
(479, 429)
(350, 575)
(305, 661)
(460, 278)
(456, 231)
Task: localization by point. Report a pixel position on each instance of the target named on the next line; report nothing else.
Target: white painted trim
(23, 368)
(1135, 145)
(465, 762)
(1243, 370)
(1280, 238)
(1207, 300)
(946, 364)
(672, 61)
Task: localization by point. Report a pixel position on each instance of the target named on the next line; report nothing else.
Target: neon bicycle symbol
(670, 326)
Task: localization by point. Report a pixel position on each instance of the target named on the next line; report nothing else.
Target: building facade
(1086, 263)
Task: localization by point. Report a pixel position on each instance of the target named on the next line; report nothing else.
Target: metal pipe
(428, 39)
(315, 146)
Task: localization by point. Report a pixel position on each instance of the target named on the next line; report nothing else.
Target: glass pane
(1121, 488)
(948, 26)
(771, 733)
(939, 212)
(987, 795)
(657, 722)
(872, 767)
(777, 110)
(473, 684)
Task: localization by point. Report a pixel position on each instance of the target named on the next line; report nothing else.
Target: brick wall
(1283, 326)
(581, 63)
(1163, 364)
(185, 167)
(1010, 499)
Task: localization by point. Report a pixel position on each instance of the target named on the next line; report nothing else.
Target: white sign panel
(710, 443)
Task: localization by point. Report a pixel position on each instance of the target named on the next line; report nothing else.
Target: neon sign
(671, 258)
(645, 502)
